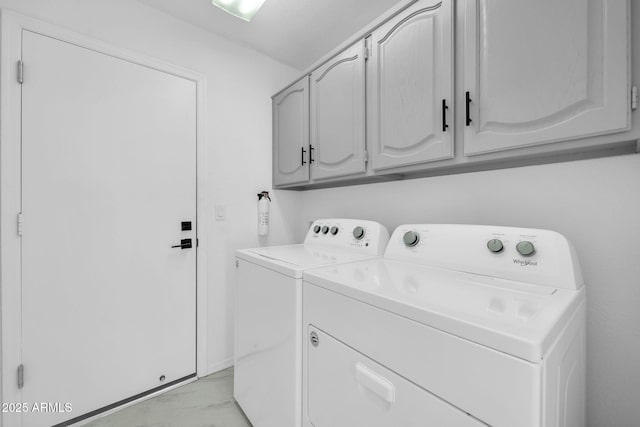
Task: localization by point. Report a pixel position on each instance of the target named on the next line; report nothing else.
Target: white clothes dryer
(457, 326)
(268, 314)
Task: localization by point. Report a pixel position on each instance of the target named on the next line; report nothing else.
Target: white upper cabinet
(410, 87)
(543, 71)
(291, 134)
(337, 115)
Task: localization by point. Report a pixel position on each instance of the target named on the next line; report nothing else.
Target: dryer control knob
(495, 245)
(525, 248)
(358, 233)
(325, 229)
(411, 238)
(334, 230)
(316, 229)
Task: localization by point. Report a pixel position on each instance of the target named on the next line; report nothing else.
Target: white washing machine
(268, 316)
(456, 326)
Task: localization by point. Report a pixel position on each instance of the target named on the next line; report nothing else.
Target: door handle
(375, 382)
(303, 152)
(184, 244)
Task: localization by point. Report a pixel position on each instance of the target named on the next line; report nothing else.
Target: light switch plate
(220, 212)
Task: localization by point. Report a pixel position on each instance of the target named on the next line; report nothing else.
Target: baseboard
(220, 366)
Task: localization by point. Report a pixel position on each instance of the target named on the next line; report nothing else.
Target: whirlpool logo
(525, 263)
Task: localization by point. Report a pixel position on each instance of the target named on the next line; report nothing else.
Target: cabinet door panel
(337, 115)
(410, 75)
(544, 71)
(291, 134)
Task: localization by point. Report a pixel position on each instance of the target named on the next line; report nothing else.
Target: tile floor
(207, 402)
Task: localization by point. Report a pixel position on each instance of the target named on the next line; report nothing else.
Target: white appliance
(268, 319)
(457, 325)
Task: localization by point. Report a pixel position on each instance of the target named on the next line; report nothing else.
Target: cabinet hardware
(302, 153)
(468, 99)
(444, 115)
(311, 159)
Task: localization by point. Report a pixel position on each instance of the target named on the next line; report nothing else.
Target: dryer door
(346, 388)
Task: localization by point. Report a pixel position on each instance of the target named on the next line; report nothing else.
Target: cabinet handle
(302, 156)
(444, 115)
(311, 159)
(468, 99)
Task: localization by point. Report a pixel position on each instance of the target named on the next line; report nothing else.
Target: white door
(542, 71)
(291, 134)
(337, 115)
(410, 87)
(108, 175)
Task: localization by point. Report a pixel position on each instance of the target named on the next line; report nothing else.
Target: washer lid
(293, 259)
(513, 317)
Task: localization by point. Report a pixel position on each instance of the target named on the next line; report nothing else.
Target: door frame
(12, 25)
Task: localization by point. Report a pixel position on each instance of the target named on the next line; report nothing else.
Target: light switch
(220, 212)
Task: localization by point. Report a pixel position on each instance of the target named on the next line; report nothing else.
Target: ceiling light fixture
(243, 9)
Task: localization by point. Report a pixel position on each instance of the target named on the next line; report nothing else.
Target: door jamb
(12, 25)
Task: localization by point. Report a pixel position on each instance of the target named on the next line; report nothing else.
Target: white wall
(240, 83)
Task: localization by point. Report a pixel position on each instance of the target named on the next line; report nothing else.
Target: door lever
(184, 244)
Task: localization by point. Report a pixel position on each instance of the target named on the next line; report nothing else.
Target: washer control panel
(367, 236)
(527, 255)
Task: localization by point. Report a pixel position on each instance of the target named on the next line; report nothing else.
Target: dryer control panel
(362, 235)
(528, 255)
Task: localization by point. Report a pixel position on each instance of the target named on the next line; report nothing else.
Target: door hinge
(20, 73)
(20, 223)
(20, 376)
(367, 48)
(634, 98)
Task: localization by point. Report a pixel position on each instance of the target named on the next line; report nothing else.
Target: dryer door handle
(375, 383)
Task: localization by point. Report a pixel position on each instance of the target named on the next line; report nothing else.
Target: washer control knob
(358, 233)
(334, 230)
(325, 229)
(495, 245)
(411, 238)
(316, 229)
(525, 248)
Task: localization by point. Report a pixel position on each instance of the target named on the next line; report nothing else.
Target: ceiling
(295, 32)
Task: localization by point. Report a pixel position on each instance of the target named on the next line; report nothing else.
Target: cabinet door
(410, 78)
(543, 71)
(337, 116)
(291, 134)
